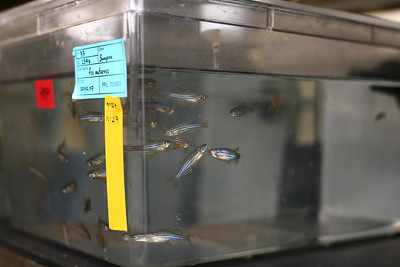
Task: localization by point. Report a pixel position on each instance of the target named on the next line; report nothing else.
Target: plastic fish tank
(287, 120)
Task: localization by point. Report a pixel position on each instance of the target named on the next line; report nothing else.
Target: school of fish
(149, 148)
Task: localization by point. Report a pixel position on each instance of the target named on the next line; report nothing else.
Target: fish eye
(134, 237)
(166, 144)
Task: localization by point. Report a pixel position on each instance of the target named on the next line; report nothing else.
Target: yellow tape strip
(113, 126)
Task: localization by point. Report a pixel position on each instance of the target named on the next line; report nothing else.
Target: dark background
(6, 4)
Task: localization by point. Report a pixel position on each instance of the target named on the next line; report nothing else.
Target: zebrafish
(185, 97)
(102, 225)
(179, 142)
(87, 204)
(98, 174)
(74, 110)
(96, 159)
(161, 237)
(147, 84)
(150, 149)
(380, 116)
(69, 188)
(91, 118)
(276, 103)
(226, 154)
(183, 128)
(83, 231)
(240, 110)
(101, 241)
(61, 156)
(64, 229)
(188, 164)
(72, 105)
(153, 122)
(36, 172)
(157, 107)
(144, 71)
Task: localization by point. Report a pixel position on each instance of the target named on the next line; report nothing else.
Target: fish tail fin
(129, 148)
(204, 125)
(174, 180)
(61, 146)
(141, 152)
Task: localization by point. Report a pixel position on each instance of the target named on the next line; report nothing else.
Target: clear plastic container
(314, 120)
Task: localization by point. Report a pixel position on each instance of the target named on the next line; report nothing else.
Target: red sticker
(44, 93)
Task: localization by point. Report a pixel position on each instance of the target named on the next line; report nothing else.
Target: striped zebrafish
(179, 142)
(188, 164)
(98, 174)
(183, 128)
(161, 237)
(185, 97)
(150, 149)
(96, 159)
(240, 110)
(157, 107)
(226, 154)
(90, 118)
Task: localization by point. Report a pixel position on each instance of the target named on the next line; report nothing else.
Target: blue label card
(100, 69)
